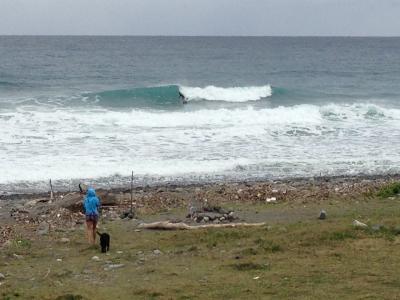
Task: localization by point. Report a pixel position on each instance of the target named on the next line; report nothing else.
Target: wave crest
(229, 94)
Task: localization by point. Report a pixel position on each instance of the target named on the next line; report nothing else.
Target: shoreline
(194, 184)
(34, 208)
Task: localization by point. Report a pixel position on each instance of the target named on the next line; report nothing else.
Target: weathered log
(107, 198)
(74, 201)
(71, 201)
(165, 225)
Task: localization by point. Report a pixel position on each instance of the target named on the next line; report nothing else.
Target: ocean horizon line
(200, 36)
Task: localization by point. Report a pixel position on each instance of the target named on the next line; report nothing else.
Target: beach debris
(107, 198)
(36, 201)
(113, 266)
(282, 229)
(65, 240)
(36, 209)
(47, 273)
(210, 213)
(43, 228)
(6, 233)
(2, 277)
(359, 224)
(157, 252)
(322, 215)
(59, 259)
(165, 225)
(271, 200)
(377, 227)
(95, 258)
(82, 188)
(256, 278)
(72, 202)
(19, 213)
(7, 243)
(127, 214)
(192, 211)
(111, 215)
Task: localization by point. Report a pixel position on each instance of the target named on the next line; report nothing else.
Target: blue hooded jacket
(91, 203)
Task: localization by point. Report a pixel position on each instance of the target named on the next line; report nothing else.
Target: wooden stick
(51, 191)
(165, 225)
(47, 274)
(132, 193)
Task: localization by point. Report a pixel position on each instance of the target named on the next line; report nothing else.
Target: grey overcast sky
(200, 17)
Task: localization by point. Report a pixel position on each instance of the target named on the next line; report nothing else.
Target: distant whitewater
(95, 109)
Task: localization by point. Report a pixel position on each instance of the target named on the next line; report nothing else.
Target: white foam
(66, 143)
(231, 94)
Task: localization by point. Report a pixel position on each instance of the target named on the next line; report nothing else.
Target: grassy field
(295, 256)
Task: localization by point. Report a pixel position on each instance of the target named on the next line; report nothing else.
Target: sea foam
(73, 143)
(230, 94)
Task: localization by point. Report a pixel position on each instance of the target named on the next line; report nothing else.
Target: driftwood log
(165, 225)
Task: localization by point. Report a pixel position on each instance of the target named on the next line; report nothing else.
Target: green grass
(390, 190)
(341, 235)
(288, 260)
(249, 266)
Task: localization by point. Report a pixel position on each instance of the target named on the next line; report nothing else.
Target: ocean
(94, 109)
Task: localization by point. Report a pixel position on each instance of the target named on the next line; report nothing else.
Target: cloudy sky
(201, 17)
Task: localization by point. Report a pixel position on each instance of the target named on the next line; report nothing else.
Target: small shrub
(276, 248)
(389, 190)
(212, 238)
(268, 246)
(341, 235)
(384, 232)
(248, 251)
(192, 249)
(249, 266)
(149, 293)
(69, 297)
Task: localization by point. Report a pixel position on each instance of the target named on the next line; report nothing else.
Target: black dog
(104, 241)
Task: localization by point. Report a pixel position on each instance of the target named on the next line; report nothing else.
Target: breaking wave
(71, 143)
(230, 94)
(172, 95)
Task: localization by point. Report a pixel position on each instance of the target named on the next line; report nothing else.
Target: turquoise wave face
(174, 95)
(138, 97)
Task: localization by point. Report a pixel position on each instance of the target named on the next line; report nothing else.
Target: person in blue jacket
(91, 205)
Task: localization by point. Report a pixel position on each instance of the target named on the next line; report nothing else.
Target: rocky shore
(38, 212)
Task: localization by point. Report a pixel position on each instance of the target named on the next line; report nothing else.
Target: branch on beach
(165, 225)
